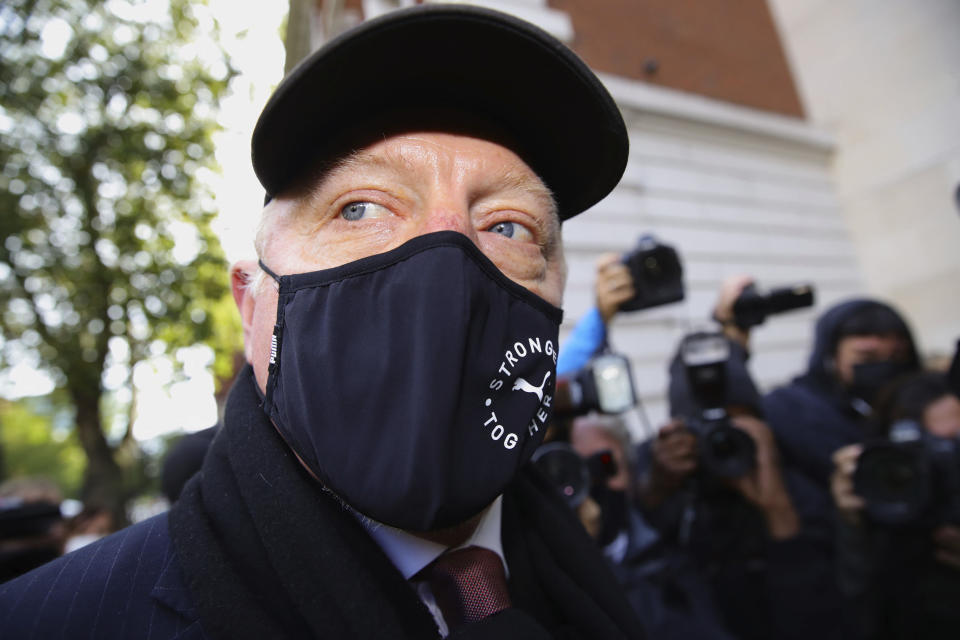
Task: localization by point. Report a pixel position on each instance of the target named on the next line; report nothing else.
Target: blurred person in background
(91, 524)
(741, 529)
(666, 590)
(183, 461)
(32, 529)
(613, 285)
(860, 345)
(901, 570)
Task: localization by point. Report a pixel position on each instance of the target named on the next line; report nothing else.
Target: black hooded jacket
(813, 416)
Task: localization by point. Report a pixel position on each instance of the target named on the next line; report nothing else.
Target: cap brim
(483, 64)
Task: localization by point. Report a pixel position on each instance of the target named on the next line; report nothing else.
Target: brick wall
(723, 49)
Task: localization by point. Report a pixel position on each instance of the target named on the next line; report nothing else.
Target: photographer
(736, 518)
(899, 527)
(649, 275)
(859, 345)
(666, 590)
(613, 286)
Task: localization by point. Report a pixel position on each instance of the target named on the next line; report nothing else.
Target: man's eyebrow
(514, 180)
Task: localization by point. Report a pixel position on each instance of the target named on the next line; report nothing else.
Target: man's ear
(242, 274)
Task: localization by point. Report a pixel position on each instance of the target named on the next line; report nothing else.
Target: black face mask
(870, 377)
(413, 383)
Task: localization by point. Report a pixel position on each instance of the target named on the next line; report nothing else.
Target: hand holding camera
(656, 274)
(742, 306)
(674, 459)
(613, 286)
(763, 484)
(849, 504)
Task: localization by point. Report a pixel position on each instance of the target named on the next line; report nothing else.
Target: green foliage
(37, 441)
(106, 115)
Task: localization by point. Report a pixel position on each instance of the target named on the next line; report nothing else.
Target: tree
(38, 442)
(106, 116)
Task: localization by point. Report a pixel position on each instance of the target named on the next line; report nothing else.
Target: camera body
(572, 475)
(725, 451)
(657, 274)
(605, 384)
(751, 308)
(910, 478)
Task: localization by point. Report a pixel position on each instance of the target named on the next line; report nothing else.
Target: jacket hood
(819, 367)
(740, 388)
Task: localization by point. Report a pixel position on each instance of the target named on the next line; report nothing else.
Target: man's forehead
(395, 156)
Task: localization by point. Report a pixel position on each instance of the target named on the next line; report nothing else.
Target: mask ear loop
(268, 271)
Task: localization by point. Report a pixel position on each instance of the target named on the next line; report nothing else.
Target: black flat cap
(445, 66)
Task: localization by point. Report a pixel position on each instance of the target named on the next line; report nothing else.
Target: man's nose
(450, 219)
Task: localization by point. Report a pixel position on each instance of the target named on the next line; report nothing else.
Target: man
(369, 478)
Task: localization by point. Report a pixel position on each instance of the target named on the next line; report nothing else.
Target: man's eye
(360, 210)
(511, 230)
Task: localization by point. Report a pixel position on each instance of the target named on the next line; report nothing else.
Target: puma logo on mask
(523, 385)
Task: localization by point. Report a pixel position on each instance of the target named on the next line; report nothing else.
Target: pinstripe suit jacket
(127, 585)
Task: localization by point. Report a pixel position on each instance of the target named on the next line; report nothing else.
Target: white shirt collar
(410, 553)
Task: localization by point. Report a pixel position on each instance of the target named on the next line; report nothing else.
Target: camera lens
(888, 475)
(894, 481)
(722, 444)
(727, 452)
(565, 470)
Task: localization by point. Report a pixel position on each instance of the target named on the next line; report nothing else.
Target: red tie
(468, 584)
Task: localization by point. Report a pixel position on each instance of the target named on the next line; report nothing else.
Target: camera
(657, 274)
(725, 451)
(605, 384)
(910, 478)
(571, 474)
(751, 308)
